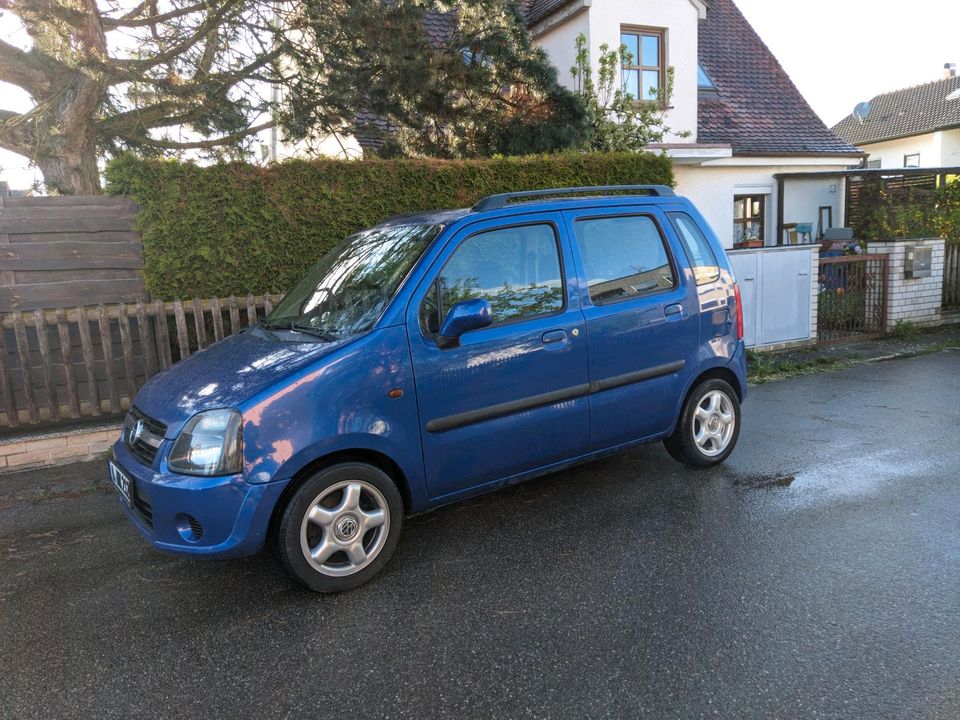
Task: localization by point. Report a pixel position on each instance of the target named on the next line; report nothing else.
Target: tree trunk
(70, 166)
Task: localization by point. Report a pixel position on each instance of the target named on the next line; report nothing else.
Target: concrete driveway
(816, 574)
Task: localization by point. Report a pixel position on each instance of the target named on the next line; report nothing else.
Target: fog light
(189, 527)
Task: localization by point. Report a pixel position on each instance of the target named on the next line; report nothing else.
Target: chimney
(949, 71)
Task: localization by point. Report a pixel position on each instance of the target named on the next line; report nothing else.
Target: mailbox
(917, 261)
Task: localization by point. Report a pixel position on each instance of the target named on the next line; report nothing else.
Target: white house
(918, 126)
(746, 120)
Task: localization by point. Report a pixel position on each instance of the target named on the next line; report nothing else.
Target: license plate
(120, 481)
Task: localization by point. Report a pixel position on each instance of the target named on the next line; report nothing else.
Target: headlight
(209, 444)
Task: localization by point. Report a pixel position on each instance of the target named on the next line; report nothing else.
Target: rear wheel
(709, 425)
(341, 527)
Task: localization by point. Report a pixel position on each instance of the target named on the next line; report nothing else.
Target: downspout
(780, 184)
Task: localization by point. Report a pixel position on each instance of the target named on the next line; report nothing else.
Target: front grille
(143, 436)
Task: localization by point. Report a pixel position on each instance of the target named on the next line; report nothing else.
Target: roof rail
(496, 202)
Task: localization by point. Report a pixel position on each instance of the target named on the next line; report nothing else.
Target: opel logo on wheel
(347, 527)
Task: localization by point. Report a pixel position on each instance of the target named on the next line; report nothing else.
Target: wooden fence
(61, 251)
(90, 361)
(951, 276)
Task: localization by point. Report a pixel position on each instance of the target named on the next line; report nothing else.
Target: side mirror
(462, 318)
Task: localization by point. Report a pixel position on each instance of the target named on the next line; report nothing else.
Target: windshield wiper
(326, 335)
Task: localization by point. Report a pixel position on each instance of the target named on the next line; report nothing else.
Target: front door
(511, 397)
(642, 322)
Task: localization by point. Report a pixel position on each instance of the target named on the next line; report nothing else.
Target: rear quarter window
(623, 257)
(697, 248)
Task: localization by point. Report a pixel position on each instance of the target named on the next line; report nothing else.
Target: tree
(171, 76)
(617, 121)
(430, 78)
(164, 76)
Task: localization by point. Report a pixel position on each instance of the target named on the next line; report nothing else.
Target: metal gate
(852, 302)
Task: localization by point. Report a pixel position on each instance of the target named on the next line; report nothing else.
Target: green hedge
(238, 228)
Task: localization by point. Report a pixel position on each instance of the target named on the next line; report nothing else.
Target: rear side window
(517, 269)
(699, 252)
(623, 257)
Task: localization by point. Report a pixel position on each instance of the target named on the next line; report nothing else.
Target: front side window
(697, 249)
(516, 269)
(623, 257)
(347, 291)
(748, 218)
(642, 72)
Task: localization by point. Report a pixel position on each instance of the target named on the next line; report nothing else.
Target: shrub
(236, 228)
(888, 211)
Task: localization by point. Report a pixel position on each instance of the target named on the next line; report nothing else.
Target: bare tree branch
(176, 50)
(130, 20)
(23, 69)
(198, 144)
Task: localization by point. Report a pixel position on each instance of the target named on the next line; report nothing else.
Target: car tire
(340, 528)
(709, 425)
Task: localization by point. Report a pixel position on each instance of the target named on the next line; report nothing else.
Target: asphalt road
(815, 575)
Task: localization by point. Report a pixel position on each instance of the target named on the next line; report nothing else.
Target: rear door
(642, 321)
(511, 397)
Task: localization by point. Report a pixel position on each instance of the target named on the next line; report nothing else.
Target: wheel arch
(375, 458)
(719, 372)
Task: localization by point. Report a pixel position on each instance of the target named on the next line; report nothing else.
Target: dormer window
(643, 71)
(704, 82)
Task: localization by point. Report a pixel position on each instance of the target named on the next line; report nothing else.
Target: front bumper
(232, 514)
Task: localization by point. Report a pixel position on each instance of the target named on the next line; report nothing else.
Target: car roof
(540, 201)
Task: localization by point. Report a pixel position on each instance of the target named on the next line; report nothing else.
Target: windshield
(349, 288)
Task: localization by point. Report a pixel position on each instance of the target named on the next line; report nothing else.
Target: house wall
(712, 189)
(560, 44)
(891, 152)
(950, 148)
(601, 23)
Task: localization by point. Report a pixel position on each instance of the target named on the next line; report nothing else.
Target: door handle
(673, 312)
(553, 336)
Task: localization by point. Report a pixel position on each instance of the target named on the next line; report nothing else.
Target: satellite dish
(862, 111)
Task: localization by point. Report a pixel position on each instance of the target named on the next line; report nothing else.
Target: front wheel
(709, 425)
(341, 527)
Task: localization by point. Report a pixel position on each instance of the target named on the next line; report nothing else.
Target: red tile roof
(757, 109)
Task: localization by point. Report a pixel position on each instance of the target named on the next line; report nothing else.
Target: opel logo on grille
(138, 430)
(347, 527)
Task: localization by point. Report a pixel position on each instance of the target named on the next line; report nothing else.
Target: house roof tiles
(912, 111)
(757, 109)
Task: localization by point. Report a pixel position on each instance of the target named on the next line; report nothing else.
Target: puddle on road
(846, 477)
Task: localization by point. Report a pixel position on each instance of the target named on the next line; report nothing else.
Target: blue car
(435, 357)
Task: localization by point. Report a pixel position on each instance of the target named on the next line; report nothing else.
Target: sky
(838, 52)
(842, 52)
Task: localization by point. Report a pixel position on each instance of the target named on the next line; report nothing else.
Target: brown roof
(757, 109)
(912, 111)
(536, 10)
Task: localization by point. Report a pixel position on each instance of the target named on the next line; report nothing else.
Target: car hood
(224, 375)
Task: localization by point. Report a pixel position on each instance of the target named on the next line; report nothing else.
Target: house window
(643, 67)
(749, 214)
(873, 164)
(704, 81)
(911, 160)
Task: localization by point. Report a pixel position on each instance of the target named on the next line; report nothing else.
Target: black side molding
(508, 408)
(634, 377)
(551, 398)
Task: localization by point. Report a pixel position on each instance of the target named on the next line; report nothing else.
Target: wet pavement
(815, 575)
